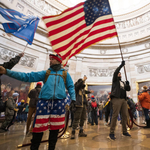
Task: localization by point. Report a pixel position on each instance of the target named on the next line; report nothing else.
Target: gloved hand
(15, 109)
(122, 63)
(73, 106)
(127, 82)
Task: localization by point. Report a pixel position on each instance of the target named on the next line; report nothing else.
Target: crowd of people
(47, 103)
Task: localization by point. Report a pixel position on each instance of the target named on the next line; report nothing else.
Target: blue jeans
(89, 117)
(94, 117)
(100, 114)
(140, 113)
(20, 117)
(25, 117)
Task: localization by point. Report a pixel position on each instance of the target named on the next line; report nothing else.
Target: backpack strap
(47, 75)
(64, 75)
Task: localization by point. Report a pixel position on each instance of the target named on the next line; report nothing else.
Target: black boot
(147, 124)
(36, 140)
(82, 134)
(73, 134)
(53, 134)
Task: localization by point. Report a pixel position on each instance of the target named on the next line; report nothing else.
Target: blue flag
(19, 25)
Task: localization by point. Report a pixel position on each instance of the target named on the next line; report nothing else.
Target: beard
(83, 86)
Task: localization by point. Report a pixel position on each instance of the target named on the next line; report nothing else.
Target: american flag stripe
(69, 33)
(82, 42)
(41, 129)
(38, 125)
(57, 123)
(74, 34)
(65, 13)
(57, 116)
(55, 127)
(42, 117)
(78, 48)
(75, 15)
(57, 119)
(96, 30)
(42, 120)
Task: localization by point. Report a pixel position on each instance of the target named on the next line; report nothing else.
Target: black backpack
(2, 106)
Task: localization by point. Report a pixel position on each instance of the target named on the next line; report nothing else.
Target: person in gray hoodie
(9, 112)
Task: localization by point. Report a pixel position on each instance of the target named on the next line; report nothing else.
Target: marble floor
(96, 139)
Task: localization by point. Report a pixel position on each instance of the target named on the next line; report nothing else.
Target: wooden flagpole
(121, 56)
(119, 44)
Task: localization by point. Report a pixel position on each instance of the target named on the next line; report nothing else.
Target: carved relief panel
(6, 55)
(143, 68)
(101, 72)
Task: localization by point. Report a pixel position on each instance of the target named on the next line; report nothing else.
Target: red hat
(39, 83)
(57, 57)
(109, 93)
(92, 97)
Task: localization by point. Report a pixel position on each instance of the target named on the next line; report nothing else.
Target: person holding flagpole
(118, 98)
(10, 64)
(50, 112)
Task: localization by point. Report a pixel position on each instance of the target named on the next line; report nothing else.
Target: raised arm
(26, 77)
(117, 71)
(12, 62)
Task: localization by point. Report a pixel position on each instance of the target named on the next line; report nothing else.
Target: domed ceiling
(119, 7)
(132, 18)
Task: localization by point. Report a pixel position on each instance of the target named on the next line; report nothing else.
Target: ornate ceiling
(132, 17)
(119, 7)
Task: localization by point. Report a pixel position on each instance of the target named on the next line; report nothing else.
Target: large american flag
(79, 27)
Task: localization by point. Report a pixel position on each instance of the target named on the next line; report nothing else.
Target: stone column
(78, 71)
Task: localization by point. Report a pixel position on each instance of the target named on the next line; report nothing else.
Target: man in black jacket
(33, 95)
(80, 104)
(10, 65)
(119, 103)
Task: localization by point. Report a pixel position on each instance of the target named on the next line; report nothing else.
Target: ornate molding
(143, 68)
(44, 6)
(7, 54)
(20, 7)
(147, 45)
(133, 22)
(101, 72)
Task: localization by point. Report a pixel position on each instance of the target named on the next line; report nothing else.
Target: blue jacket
(54, 87)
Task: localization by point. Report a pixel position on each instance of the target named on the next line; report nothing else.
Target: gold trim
(139, 81)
